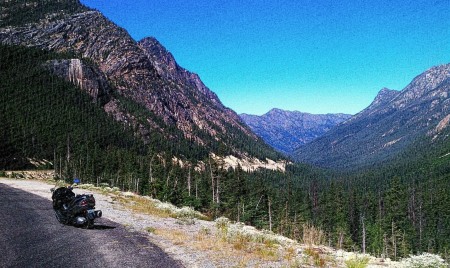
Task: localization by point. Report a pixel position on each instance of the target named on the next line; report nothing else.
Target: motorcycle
(77, 210)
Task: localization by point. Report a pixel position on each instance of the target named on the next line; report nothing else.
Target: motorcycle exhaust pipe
(94, 214)
(98, 213)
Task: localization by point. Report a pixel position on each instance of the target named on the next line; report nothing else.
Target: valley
(82, 98)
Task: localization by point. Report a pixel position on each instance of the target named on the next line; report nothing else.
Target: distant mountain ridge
(287, 130)
(394, 121)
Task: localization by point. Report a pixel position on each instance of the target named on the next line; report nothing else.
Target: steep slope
(205, 110)
(388, 126)
(45, 117)
(138, 73)
(286, 130)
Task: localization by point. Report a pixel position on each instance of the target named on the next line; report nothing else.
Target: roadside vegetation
(389, 211)
(248, 246)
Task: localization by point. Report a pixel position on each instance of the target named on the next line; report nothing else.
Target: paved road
(30, 236)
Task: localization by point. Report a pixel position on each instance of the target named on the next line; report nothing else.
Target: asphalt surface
(30, 236)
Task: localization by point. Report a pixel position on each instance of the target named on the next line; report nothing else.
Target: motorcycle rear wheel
(89, 224)
(60, 216)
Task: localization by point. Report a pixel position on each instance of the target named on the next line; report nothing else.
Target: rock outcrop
(86, 77)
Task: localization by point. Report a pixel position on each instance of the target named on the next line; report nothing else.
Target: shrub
(103, 185)
(357, 262)
(312, 235)
(425, 260)
(315, 254)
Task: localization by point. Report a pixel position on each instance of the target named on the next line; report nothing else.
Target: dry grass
(144, 206)
(240, 250)
(312, 236)
(150, 229)
(177, 237)
(227, 244)
(317, 259)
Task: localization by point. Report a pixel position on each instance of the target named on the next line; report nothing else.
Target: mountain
(139, 84)
(285, 130)
(394, 122)
(79, 96)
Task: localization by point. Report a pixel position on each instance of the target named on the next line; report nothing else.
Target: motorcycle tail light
(83, 202)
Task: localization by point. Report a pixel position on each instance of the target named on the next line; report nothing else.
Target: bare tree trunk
(212, 179)
(238, 215)
(54, 162)
(270, 216)
(394, 241)
(60, 167)
(196, 188)
(189, 181)
(341, 239)
(217, 189)
(363, 235)
(137, 186)
(258, 202)
(68, 149)
(167, 180)
(67, 168)
(420, 225)
(150, 169)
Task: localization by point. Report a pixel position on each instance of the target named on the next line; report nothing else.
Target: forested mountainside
(136, 73)
(65, 106)
(394, 121)
(401, 208)
(286, 130)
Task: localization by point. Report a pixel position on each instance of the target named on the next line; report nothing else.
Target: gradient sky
(316, 56)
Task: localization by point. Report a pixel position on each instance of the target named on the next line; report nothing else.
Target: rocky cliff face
(286, 130)
(202, 97)
(87, 78)
(144, 72)
(390, 124)
(384, 96)
(167, 67)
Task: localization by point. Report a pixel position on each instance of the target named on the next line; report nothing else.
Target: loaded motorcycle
(77, 210)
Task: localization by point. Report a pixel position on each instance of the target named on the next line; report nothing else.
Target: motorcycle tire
(60, 216)
(89, 224)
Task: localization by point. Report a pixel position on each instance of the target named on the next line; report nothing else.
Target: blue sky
(316, 56)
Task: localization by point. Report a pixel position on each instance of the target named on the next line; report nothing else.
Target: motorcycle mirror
(52, 190)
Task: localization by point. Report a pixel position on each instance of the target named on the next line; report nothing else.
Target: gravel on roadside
(116, 212)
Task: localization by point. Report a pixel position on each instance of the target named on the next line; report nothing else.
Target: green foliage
(19, 12)
(397, 209)
(357, 262)
(44, 117)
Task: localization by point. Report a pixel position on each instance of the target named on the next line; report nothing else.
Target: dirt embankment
(30, 174)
